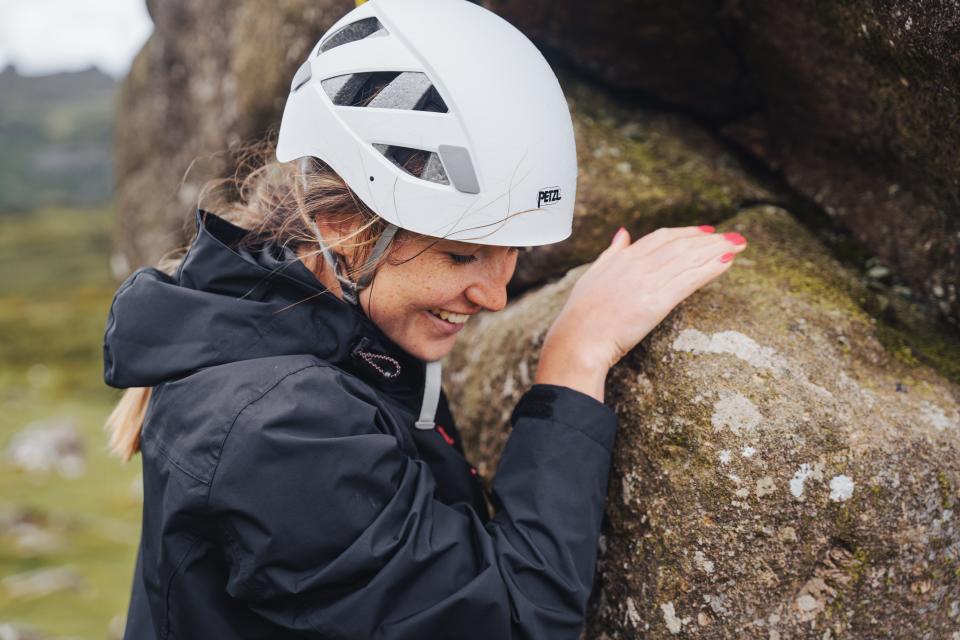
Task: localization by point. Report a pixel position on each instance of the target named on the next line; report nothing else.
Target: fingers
(688, 253)
(669, 251)
(620, 240)
(651, 241)
(687, 281)
(663, 236)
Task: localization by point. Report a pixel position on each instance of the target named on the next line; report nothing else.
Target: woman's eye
(461, 258)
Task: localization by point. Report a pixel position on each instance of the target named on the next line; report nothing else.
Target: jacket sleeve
(330, 530)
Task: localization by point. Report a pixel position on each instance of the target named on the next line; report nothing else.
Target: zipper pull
(359, 351)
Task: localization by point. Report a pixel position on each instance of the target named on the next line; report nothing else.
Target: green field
(54, 297)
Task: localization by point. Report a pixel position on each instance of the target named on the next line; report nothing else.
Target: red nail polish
(735, 237)
(727, 257)
(706, 228)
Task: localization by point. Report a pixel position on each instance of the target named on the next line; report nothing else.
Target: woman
(303, 475)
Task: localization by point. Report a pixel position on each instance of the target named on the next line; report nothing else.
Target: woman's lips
(447, 328)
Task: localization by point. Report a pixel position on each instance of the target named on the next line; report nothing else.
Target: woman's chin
(432, 349)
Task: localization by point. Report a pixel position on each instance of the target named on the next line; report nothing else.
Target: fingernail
(735, 237)
(616, 235)
(727, 257)
(706, 228)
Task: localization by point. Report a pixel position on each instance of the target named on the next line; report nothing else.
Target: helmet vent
(410, 90)
(418, 163)
(352, 32)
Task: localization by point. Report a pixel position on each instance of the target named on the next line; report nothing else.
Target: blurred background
(69, 514)
(830, 127)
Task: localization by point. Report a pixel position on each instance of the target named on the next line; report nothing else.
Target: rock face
(641, 169)
(212, 77)
(779, 470)
(854, 102)
(674, 50)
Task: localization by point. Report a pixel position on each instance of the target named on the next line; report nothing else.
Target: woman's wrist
(571, 368)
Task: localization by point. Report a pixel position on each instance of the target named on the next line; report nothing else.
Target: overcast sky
(43, 36)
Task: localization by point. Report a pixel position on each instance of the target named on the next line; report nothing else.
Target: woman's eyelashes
(459, 258)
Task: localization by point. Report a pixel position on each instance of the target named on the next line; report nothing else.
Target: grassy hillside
(54, 298)
(55, 139)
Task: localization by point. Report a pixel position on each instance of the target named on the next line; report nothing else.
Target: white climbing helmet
(462, 88)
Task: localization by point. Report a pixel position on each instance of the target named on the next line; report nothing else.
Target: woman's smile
(422, 299)
(443, 326)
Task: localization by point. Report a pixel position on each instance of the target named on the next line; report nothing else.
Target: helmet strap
(350, 289)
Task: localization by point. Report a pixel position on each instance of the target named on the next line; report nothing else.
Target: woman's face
(451, 276)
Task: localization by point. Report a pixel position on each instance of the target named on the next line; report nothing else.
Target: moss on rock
(770, 475)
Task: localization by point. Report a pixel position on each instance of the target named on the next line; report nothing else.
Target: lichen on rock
(762, 436)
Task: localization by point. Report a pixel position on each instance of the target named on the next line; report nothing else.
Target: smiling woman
(303, 473)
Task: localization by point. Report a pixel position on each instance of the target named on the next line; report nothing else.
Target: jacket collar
(226, 304)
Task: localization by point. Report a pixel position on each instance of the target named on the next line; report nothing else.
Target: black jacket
(287, 494)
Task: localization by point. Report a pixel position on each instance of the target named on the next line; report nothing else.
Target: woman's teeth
(455, 318)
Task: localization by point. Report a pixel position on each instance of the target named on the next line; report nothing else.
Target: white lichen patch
(812, 599)
(702, 562)
(796, 482)
(746, 349)
(725, 456)
(936, 417)
(765, 486)
(630, 481)
(718, 603)
(732, 342)
(632, 616)
(820, 391)
(747, 452)
(644, 385)
(524, 370)
(736, 412)
(841, 488)
(674, 624)
(509, 386)
(888, 479)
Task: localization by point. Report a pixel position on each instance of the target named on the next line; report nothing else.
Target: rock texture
(642, 169)
(212, 77)
(780, 471)
(854, 102)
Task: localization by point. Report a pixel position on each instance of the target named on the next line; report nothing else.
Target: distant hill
(56, 139)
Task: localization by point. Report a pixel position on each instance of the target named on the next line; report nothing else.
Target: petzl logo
(549, 195)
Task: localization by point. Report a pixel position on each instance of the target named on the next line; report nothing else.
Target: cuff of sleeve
(570, 407)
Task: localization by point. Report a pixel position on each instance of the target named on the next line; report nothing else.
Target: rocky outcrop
(780, 470)
(212, 77)
(642, 169)
(855, 103)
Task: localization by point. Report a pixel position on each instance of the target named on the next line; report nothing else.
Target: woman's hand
(626, 292)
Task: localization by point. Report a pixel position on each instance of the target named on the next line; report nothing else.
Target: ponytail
(126, 420)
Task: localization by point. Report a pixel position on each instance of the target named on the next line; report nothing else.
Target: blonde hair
(274, 202)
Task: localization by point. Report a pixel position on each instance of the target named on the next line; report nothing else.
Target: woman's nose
(489, 290)
(490, 297)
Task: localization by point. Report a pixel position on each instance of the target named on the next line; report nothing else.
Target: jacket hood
(227, 303)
